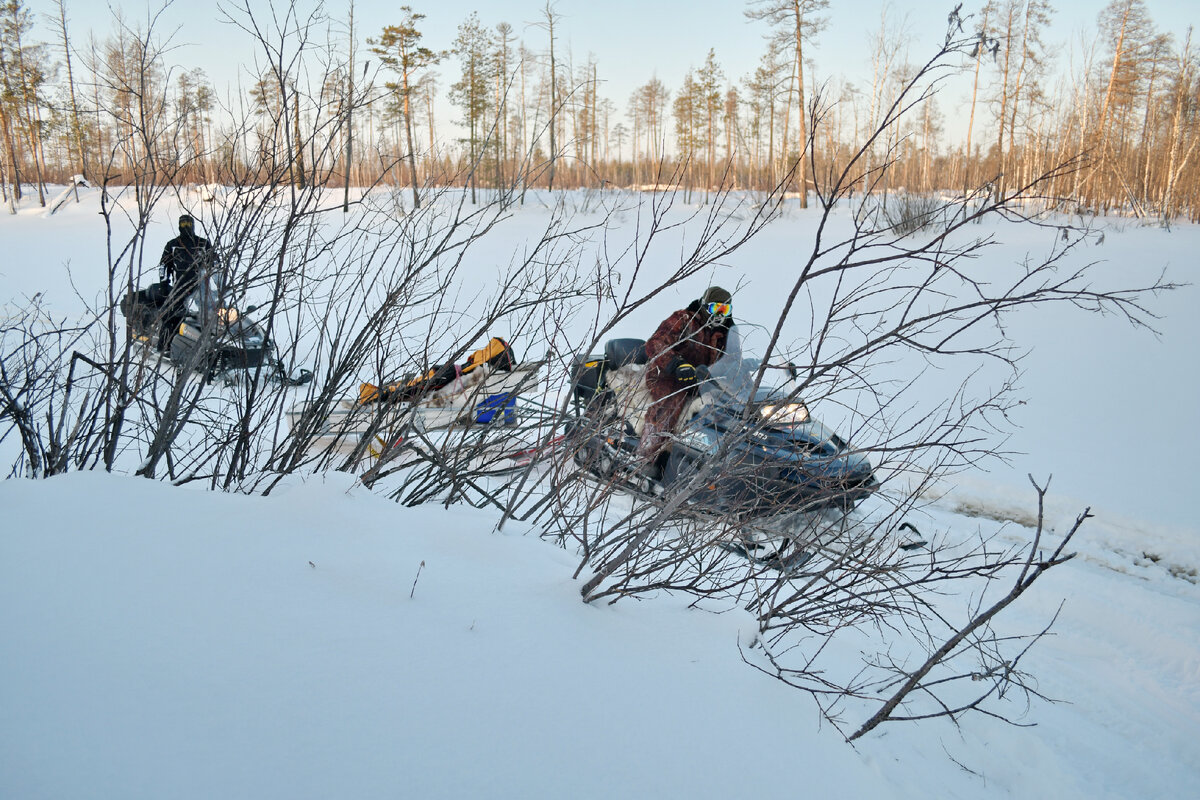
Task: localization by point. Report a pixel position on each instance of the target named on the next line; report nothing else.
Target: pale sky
(632, 40)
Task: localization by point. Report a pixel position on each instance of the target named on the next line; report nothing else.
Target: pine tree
(1125, 28)
(688, 109)
(22, 79)
(470, 92)
(647, 112)
(708, 87)
(400, 51)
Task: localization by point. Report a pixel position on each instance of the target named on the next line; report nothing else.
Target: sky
(632, 40)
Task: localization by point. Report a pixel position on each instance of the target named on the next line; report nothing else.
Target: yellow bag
(496, 352)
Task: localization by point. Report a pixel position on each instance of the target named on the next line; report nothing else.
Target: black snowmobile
(739, 453)
(216, 340)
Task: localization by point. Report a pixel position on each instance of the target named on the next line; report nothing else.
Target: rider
(180, 270)
(678, 354)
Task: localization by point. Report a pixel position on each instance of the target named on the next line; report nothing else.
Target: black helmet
(187, 225)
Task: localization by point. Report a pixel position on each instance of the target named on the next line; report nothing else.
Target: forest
(351, 107)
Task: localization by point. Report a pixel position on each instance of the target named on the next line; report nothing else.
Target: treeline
(359, 108)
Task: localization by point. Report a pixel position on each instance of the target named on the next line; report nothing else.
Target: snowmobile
(452, 406)
(740, 453)
(216, 340)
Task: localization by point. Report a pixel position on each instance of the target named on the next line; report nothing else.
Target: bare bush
(906, 213)
(888, 314)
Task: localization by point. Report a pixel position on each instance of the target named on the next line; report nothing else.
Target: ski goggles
(719, 309)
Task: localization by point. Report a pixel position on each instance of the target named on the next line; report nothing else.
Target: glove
(702, 373)
(685, 373)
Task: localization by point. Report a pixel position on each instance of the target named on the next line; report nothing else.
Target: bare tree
(550, 18)
(795, 21)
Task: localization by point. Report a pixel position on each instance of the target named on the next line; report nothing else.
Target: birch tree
(470, 92)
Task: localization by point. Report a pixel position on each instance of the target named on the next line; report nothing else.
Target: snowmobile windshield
(735, 371)
(205, 300)
(210, 302)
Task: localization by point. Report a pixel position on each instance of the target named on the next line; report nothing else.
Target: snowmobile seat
(143, 307)
(620, 352)
(587, 380)
(628, 385)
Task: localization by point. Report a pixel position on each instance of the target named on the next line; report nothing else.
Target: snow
(171, 642)
(270, 648)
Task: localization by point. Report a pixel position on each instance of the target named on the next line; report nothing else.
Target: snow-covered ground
(166, 642)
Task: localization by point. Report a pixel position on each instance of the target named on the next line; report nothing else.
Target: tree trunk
(11, 178)
(979, 49)
(803, 132)
(1007, 39)
(299, 141)
(14, 172)
(412, 158)
(349, 118)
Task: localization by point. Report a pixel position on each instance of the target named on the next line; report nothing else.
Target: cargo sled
(489, 397)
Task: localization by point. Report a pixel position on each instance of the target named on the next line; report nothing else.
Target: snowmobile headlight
(227, 315)
(783, 413)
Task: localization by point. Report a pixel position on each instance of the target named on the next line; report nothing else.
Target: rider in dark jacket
(183, 260)
(679, 352)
